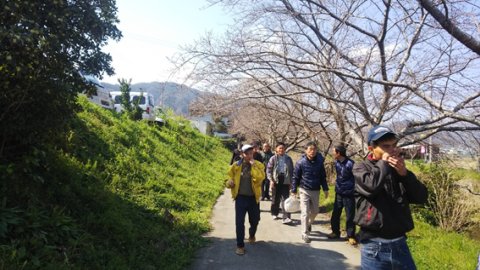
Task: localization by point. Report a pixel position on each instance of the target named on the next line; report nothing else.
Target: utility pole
(430, 150)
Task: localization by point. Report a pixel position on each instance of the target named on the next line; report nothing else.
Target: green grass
(468, 174)
(433, 248)
(111, 194)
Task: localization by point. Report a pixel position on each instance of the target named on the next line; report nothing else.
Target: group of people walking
(375, 194)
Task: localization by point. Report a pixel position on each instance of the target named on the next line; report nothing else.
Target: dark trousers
(266, 189)
(243, 205)
(280, 193)
(348, 202)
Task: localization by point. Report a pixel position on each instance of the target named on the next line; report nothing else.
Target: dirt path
(278, 246)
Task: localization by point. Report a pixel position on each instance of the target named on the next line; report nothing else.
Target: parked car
(102, 97)
(145, 101)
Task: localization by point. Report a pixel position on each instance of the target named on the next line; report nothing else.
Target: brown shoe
(352, 241)
(240, 251)
(252, 240)
(333, 236)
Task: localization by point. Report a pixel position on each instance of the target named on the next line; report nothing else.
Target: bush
(446, 202)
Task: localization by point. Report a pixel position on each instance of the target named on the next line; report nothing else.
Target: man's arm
(270, 166)
(416, 191)
(369, 179)
(323, 177)
(297, 175)
(230, 183)
(258, 171)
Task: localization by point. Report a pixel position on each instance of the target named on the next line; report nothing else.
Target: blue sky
(153, 30)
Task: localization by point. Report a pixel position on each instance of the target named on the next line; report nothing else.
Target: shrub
(448, 207)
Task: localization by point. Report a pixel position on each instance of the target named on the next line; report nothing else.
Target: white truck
(102, 97)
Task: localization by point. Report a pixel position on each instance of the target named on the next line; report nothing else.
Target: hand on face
(388, 151)
(396, 161)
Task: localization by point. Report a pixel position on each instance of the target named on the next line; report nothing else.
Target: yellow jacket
(258, 175)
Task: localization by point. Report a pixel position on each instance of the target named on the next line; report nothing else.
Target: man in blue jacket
(309, 174)
(344, 188)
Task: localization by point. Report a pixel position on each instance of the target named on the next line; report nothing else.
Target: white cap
(246, 147)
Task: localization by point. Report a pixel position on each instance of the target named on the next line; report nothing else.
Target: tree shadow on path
(220, 254)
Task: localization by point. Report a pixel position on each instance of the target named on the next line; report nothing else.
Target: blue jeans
(244, 205)
(386, 254)
(348, 202)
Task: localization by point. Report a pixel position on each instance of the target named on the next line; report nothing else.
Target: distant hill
(166, 94)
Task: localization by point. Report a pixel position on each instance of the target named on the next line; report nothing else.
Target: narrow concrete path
(278, 246)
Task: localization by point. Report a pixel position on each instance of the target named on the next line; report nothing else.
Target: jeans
(244, 205)
(266, 189)
(348, 202)
(386, 254)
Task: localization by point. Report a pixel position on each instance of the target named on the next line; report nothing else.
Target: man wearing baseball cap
(245, 181)
(384, 188)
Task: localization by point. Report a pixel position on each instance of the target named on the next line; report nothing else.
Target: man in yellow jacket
(245, 181)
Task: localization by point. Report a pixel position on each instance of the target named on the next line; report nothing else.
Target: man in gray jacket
(279, 172)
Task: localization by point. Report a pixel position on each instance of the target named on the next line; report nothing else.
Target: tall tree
(354, 63)
(44, 47)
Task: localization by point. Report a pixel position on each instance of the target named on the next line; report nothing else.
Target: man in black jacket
(384, 188)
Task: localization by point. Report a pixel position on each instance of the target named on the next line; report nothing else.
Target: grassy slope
(114, 194)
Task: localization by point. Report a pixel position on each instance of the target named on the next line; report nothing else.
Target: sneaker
(275, 217)
(286, 221)
(240, 251)
(352, 241)
(333, 236)
(252, 240)
(306, 239)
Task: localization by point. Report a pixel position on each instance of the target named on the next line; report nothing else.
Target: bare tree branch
(447, 24)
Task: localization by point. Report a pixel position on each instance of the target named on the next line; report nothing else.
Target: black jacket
(382, 199)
